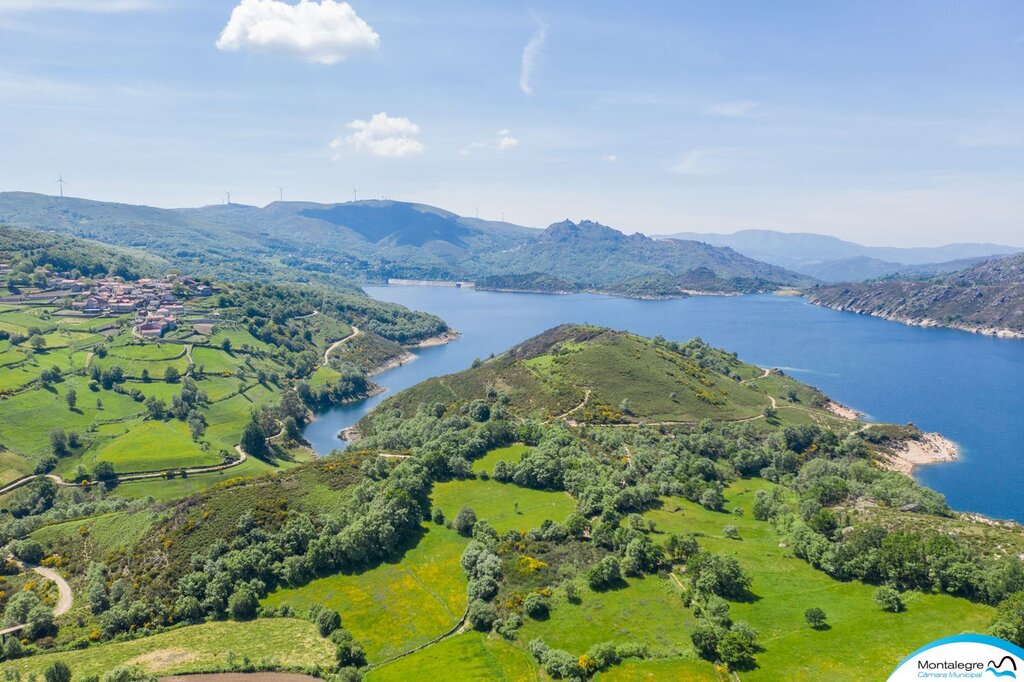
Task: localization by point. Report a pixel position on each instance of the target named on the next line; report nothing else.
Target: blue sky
(884, 122)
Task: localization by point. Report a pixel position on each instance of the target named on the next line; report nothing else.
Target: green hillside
(589, 504)
(339, 244)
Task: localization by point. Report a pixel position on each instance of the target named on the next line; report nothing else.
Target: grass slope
(397, 605)
(289, 642)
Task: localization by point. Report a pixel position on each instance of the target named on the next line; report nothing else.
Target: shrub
(536, 606)
(888, 599)
(58, 672)
(464, 521)
(482, 615)
(815, 617)
(28, 550)
(327, 621)
(243, 603)
(604, 574)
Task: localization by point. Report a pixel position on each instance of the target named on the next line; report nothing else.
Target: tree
(605, 573)
(731, 532)
(171, 375)
(243, 603)
(96, 588)
(464, 521)
(705, 637)
(225, 344)
(291, 428)
(1009, 621)
(71, 398)
(38, 343)
(888, 599)
(737, 646)
(481, 615)
(253, 440)
(57, 672)
(437, 514)
(327, 621)
(59, 442)
(815, 617)
(103, 471)
(28, 550)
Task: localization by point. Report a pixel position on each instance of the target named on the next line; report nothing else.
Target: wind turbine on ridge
(61, 182)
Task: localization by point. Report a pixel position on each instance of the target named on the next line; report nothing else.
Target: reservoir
(967, 386)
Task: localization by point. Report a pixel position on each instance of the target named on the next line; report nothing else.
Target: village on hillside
(156, 303)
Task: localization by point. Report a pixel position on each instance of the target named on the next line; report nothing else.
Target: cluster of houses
(152, 300)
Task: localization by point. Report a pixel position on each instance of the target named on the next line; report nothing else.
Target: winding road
(64, 599)
(138, 476)
(330, 349)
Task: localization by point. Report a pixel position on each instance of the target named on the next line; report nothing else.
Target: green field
(27, 418)
(199, 648)
(398, 605)
(165, 490)
(465, 657)
(510, 455)
(863, 641)
(504, 505)
(154, 446)
(216, 361)
(648, 611)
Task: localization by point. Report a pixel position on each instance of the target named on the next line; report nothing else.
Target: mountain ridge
(832, 259)
(987, 298)
(377, 240)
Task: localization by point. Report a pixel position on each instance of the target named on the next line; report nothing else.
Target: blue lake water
(968, 387)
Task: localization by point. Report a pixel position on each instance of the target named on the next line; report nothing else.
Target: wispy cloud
(736, 109)
(702, 162)
(611, 158)
(503, 141)
(992, 137)
(531, 53)
(386, 136)
(324, 32)
(93, 6)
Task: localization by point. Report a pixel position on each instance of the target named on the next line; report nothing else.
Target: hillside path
(64, 600)
(327, 353)
(138, 476)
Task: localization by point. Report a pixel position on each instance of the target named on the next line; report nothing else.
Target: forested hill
(986, 298)
(588, 255)
(372, 241)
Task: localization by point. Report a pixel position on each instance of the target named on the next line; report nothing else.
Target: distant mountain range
(377, 240)
(832, 259)
(986, 298)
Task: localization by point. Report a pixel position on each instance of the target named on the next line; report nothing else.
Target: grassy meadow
(397, 605)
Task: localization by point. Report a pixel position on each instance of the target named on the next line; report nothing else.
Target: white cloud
(733, 109)
(93, 6)
(324, 32)
(382, 135)
(503, 141)
(531, 53)
(611, 158)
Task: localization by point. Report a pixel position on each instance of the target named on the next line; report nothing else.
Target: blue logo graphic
(996, 668)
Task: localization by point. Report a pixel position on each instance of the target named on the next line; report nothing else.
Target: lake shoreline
(929, 448)
(925, 322)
